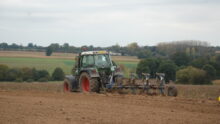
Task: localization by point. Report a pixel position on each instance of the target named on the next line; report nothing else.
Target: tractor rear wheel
(172, 91)
(88, 84)
(67, 86)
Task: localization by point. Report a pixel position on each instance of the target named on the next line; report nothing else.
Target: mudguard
(73, 81)
(90, 72)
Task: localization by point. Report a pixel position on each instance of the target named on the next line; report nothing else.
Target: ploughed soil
(33, 107)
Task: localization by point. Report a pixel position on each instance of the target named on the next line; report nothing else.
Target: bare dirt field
(26, 103)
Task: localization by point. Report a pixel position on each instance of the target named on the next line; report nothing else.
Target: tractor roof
(94, 52)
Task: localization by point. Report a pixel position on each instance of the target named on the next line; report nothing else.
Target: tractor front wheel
(67, 86)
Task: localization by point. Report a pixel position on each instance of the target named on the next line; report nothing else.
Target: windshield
(102, 60)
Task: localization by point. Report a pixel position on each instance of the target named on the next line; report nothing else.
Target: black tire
(172, 91)
(67, 86)
(88, 84)
(94, 85)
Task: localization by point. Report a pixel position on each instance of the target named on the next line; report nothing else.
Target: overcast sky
(107, 22)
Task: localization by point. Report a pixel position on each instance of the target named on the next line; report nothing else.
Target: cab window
(87, 61)
(102, 60)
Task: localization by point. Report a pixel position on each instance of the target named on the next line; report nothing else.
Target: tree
(143, 53)
(180, 58)
(115, 48)
(217, 61)
(210, 71)
(49, 51)
(133, 48)
(66, 47)
(148, 66)
(199, 62)
(142, 67)
(133, 45)
(191, 47)
(14, 46)
(4, 46)
(58, 74)
(55, 46)
(169, 68)
(30, 45)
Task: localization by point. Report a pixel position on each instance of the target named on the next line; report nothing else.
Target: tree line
(194, 48)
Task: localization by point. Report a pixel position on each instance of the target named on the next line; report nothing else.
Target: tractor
(93, 71)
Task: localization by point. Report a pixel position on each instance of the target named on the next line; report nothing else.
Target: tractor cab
(94, 61)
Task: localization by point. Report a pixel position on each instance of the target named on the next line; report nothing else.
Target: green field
(51, 63)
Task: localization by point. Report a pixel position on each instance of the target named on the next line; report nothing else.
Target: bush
(58, 74)
(35, 74)
(38, 74)
(3, 72)
(27, 73)
(13, 74)
(43, 74)
(192, 75)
